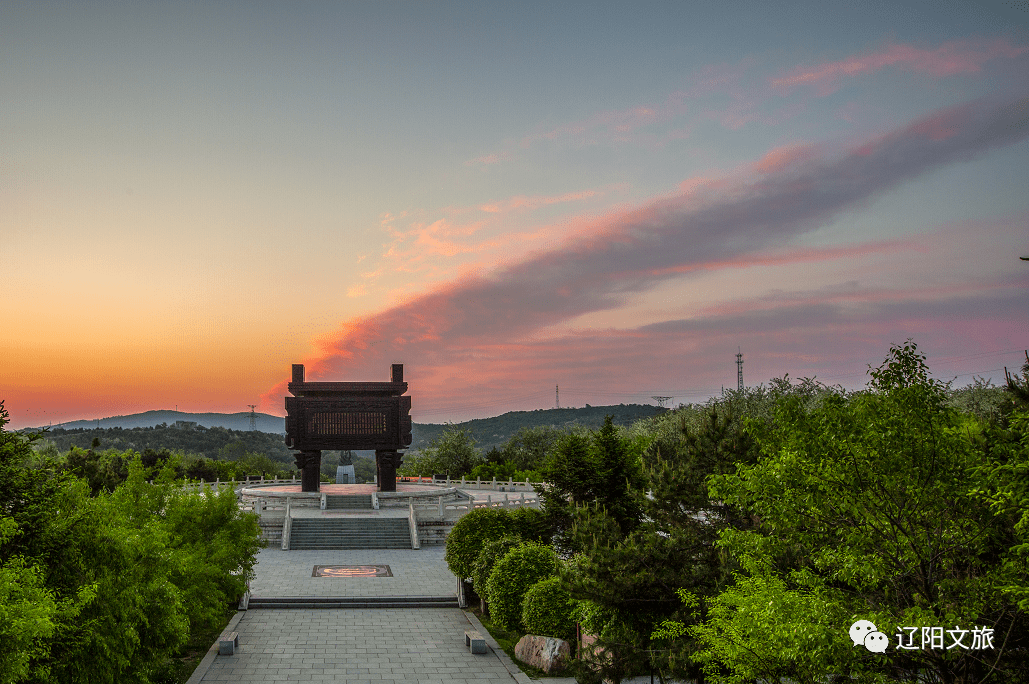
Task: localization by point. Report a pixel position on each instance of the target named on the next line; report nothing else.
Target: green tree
(572, 473)
(868, 510)
(35, 514)
(620, 478)
(512, 576)
(629, 577)
(547, 610)
(529, 448)
(233, 451)
(491, 553)
(1018, 388)
(106, 586)
(27, 612)
(1004, 487)
(571, 477)
(454, 452)
(470, 534)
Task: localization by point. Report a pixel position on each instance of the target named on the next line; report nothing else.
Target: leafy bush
(521, 568)
(470, 534)
(27, 612)
(452, 453)
(503, 471)
(419, 464)
(531, 524)
(488, 558)
(547, 610)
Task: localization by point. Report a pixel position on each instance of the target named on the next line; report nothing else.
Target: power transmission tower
(739, 370)
(661, 400)
(557, 396)
(253, 417)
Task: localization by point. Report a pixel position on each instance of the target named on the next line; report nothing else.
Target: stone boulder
(544, 653)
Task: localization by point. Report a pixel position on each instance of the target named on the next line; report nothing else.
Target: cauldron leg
(312, 471)
(386, 463)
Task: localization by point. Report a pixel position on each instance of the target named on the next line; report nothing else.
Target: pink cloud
(536, 201)
(954, 57)
(782, 157)
(490, 328)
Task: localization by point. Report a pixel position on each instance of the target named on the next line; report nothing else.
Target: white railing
(235, 483)
(477, 483)
(464, 483)
(443, 508)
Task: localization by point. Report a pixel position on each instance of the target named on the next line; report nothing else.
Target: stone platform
(405, 494)
(343, 489)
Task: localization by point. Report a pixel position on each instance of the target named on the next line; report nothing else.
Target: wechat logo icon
(864, 633)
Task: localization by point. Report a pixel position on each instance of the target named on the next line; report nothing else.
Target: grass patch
(178, 669)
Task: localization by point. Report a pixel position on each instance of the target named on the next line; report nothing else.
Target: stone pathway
(357, 646)
(421, 572)
(413, 646)
(354, 646)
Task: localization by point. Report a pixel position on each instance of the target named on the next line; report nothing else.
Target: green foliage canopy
(547, 610)
(128, 574)
(868, 510)
(470, 534)
(491, 553)
(512, 577)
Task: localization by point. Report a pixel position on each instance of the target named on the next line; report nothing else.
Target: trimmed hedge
(488, 558)
(547, 610)
(470, 534)
(522, 567)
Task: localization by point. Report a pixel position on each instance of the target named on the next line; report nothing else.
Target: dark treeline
(488, 433)
(212, 443)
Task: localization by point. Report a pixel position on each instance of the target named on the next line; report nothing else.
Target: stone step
(348, 501)
(359, 533)
(353, 602)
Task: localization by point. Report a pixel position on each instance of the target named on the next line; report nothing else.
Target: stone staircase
(355, 602)
(350, 533)
(348, 501)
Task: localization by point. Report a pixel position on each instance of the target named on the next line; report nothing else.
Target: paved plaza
(370, 646)
(421, 572)
(366, 646)
(359, 645)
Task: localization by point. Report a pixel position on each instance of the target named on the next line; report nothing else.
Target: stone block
(474, 641)
(544, 653)
(228, 644)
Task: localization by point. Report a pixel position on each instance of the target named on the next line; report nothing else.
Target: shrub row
(513, 569)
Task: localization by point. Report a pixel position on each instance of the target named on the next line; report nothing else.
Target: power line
(253, 417)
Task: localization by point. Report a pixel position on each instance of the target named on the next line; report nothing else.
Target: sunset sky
(505, 197)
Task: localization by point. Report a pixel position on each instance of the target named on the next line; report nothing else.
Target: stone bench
(228, 644)
(474, 641)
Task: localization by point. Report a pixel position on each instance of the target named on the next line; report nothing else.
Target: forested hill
(489, 432)
(227, 435)
(149, 419)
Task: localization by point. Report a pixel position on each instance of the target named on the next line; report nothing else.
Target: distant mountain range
(229, 421)
(487, 432)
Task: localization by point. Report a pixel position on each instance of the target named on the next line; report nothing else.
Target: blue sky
(504, 197)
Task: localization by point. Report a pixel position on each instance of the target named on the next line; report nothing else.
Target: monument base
(346, 475)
